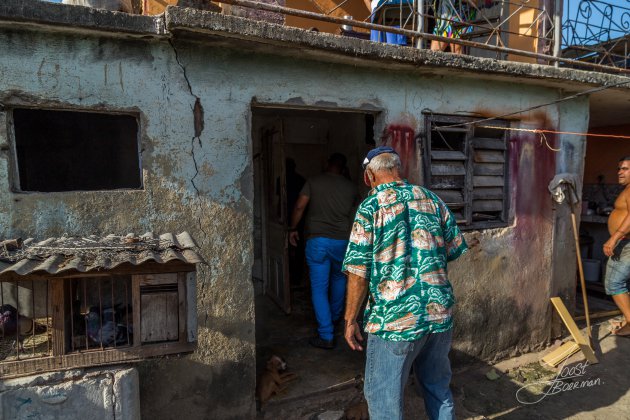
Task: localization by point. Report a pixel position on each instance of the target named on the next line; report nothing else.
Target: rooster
(12, 324)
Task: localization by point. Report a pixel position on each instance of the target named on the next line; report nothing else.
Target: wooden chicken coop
(78, 302)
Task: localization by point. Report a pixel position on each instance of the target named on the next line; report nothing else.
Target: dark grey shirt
(332, 198)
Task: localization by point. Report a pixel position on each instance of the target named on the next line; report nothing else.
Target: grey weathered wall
(68, 71)
(205, 185)
(104, 394)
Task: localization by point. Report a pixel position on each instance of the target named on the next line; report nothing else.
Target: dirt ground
(575, 390)
(519, 388)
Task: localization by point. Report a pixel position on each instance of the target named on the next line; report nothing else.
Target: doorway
(289, 146)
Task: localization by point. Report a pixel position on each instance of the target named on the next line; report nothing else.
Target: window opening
(75, 151)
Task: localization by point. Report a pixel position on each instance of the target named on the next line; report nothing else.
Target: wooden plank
(171, 310)
(496, 169)
(489, 156)
(57, 297)
(563, 352)
(450, 196)
(488, 181)
(123, 269)
(447, 182)
(451, 129)
(136, 308)
(91, 358)
(574, 330)
(488, 193)
(159, 317)
(487, 205)
(485, 143)
(448, 168)
(191, 306)
(152, 317)
(181, 304)
(162, 278)
(447, 155)
(599, 314)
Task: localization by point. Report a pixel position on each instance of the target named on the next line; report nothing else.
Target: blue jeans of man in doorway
(328, 284)
(387, 368)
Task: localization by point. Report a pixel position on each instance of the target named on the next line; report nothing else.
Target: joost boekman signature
(560, 383)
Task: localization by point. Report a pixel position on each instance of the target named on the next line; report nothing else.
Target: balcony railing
(592, 34)
(597, 32)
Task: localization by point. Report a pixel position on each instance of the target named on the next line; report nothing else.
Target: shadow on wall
(180, 388)
(492, 326)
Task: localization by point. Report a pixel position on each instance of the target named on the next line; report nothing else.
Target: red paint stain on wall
(402, 138)
(533, 166)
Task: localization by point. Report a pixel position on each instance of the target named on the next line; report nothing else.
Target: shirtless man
(618, 249)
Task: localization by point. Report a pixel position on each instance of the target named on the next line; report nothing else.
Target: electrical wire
(531, 108)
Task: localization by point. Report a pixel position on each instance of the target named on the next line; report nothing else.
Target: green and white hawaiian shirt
(402, 238)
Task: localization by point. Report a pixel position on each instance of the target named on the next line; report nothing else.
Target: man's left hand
(353, 335)
(609, 247)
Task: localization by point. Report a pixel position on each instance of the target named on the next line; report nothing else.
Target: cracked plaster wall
(502, 285)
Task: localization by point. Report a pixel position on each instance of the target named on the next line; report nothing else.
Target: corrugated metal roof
(67, 254)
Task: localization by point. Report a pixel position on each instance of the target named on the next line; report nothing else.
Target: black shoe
(317, 341)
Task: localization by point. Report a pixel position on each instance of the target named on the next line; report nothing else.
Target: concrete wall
(205, 185)
(603, 153)
(104, 394)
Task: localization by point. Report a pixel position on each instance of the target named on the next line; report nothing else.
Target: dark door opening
(290, 146)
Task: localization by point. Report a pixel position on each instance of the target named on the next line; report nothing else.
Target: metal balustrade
(591, 33)
(597, 32)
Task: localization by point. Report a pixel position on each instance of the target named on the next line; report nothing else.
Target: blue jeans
(618, 270)
(387, 368)
(324, 257)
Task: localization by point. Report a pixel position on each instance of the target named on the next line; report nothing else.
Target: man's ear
(368, 178)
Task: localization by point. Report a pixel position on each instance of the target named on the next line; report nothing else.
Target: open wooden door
(276, 271)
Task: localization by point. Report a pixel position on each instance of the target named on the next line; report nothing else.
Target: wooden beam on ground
(596, 315)
(563, 352)
(581, 341)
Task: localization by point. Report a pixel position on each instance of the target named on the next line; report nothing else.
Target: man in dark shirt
(330, 198)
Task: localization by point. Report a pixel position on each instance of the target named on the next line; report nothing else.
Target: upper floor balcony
(586, 34)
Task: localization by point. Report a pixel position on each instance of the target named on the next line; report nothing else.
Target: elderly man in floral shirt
(402, 238)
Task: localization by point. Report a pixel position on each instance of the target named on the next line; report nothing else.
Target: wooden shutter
(466, 167)
(447, 168)
(489, 169)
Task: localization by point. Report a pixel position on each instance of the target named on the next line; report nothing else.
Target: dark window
(75, 151)
(467, 167)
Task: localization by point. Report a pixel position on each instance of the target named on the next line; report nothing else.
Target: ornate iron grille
(597, 31)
